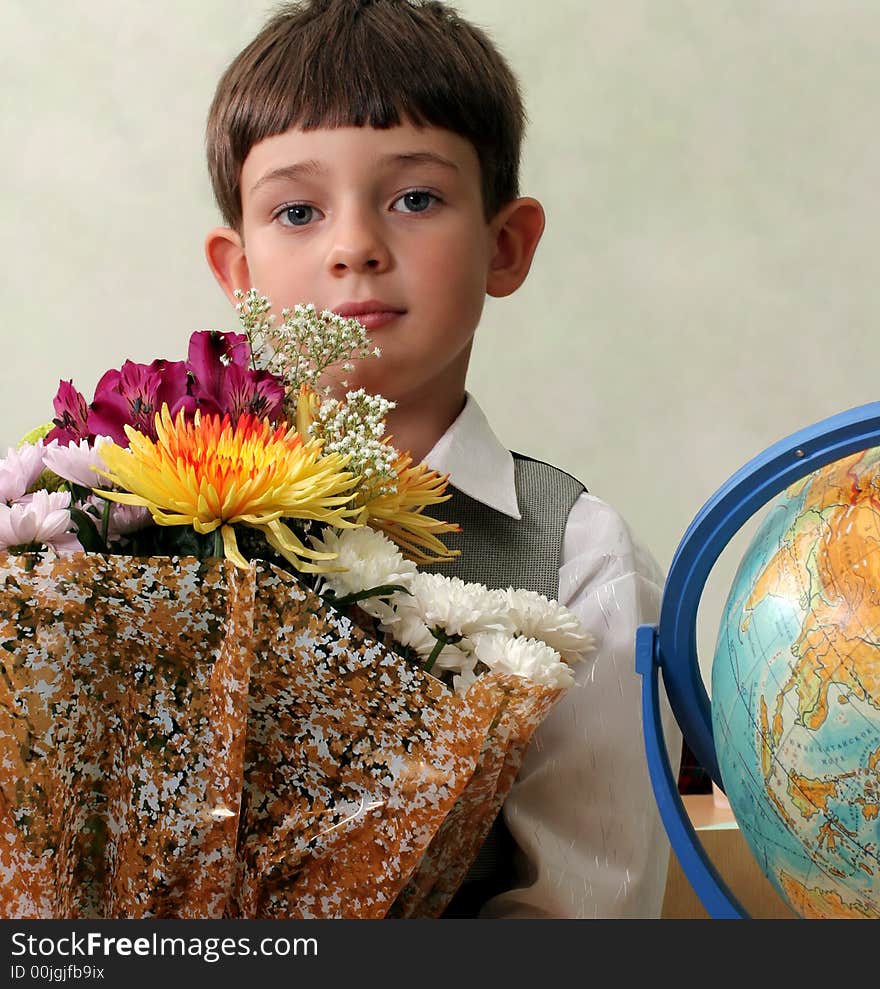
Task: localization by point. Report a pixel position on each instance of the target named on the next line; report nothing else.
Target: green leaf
(80, 493)
(87, 532)
(382, 591)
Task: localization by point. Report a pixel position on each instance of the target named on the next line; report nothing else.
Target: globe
(792, 731)
(796, 692)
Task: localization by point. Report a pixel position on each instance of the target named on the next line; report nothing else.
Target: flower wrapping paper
(180, 738)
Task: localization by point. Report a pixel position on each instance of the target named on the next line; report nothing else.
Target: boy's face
(386, 225)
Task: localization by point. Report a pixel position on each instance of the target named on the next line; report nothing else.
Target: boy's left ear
(515, 231)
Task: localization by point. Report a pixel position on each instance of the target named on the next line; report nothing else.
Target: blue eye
(297, 215)
(416, 201)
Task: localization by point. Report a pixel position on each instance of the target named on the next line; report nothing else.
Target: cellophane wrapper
(183, 739)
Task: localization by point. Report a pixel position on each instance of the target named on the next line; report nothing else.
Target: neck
(415, 427)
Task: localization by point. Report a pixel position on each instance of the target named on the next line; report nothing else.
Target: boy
(364, 155)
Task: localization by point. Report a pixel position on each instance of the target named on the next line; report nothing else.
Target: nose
(358, 245)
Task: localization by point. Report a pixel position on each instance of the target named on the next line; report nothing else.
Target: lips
(372, 314)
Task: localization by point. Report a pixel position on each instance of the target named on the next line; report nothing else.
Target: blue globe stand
(670, 646)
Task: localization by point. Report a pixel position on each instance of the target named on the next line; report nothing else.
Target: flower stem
(443, 639)
(435, 652)
(105, 522)
(218, 543)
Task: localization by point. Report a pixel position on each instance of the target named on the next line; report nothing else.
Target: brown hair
(337, 63)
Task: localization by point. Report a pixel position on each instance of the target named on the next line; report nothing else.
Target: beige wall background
(706, 284)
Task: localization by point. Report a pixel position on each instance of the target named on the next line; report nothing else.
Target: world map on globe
(795, 692)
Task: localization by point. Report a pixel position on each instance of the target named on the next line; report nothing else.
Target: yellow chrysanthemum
(307, 406)
(210, 474)
(399, 513)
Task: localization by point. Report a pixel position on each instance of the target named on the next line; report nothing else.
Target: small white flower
(20, 469)
(524, 657)
(355, 428)
(537, 617)
(76, 461)
(370, 560)
(305, 344)
(454, 606)
(40, 518)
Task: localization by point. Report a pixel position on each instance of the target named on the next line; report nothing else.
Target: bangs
(355, 64)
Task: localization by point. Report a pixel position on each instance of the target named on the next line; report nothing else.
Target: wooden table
(725, 845)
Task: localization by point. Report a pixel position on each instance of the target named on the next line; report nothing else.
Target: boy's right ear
(224, 250)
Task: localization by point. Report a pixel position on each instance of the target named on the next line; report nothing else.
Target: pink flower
(123, 518)
(127, 518)
(20, 469)
(40, 519)
(75, 461)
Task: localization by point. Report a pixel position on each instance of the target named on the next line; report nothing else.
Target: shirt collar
(476, 461)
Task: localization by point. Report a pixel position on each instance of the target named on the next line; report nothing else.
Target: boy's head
(364, 154)
(376, 63)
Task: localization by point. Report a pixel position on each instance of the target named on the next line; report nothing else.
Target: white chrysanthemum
(524, 657)
(78, 462)
(462, 683)
(409, 630)
(42, 518)
(456, 607)
(370, 560)
(537, 617)
(19, 470)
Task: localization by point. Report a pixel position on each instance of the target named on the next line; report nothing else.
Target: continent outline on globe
(827, 684)
(817, 557)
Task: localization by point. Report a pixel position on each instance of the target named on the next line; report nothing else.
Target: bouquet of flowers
(227, 688)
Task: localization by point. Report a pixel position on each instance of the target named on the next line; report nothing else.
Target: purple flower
(71, 414)
(222, 382)
(134, 394)
(210, 351)
(215, 378)
(260, 393)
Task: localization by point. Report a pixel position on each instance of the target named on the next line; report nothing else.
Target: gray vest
(499, 551)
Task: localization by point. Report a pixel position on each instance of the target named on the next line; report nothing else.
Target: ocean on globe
(796, 692)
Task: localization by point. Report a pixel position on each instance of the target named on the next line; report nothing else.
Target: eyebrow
(419, 158)
(301, 169)
(288, 172)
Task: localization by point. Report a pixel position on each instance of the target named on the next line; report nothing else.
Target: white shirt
(582, 809)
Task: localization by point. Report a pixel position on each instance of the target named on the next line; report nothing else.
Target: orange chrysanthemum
(210, 474)
(399, 513)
